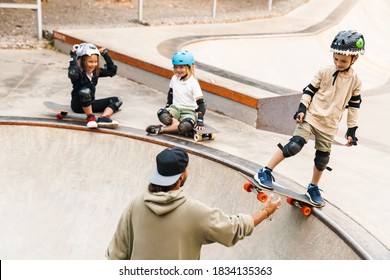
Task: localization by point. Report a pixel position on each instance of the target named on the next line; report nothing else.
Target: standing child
(84, 72)
(185, 106)
(333, 89)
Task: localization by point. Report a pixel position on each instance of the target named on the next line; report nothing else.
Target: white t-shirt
(185, 93)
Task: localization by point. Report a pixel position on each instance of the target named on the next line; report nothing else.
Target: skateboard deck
(63, 111)
(293, 198)
(208, 133)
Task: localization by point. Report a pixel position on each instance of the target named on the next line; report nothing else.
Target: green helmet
(348, 42)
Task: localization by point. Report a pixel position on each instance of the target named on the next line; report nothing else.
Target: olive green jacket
(168, 225)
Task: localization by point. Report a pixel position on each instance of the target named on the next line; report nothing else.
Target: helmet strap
(335, 74)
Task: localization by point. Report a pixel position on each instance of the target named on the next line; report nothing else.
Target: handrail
(37, 6)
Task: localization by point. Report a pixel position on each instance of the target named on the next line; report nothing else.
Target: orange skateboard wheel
(290, 201)
(306, 210)
(262, 197)
(248, 186)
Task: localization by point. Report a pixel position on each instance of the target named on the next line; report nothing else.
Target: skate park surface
(65, 185)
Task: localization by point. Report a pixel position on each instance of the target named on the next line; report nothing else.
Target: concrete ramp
(63, 189)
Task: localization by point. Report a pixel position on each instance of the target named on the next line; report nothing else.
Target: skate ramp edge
(64, 188)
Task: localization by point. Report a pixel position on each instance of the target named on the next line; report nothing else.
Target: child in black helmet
(84, 72)
(333, 89)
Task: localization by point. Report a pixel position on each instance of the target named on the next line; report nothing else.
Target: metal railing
(214, 9)
(37, 6)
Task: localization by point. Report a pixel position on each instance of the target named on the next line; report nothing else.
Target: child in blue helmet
(84, 72)
(333, 89)
(185, 107)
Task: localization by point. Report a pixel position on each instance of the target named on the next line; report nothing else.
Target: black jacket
(80, 80)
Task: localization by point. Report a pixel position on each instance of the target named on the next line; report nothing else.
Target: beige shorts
(181, 113)
(323, 141)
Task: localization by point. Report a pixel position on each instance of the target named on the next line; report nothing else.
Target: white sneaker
(91, 121)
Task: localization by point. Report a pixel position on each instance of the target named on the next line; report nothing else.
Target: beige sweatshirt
(326, 108)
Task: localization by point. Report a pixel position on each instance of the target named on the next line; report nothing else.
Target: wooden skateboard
(208, 133)
(293, 198)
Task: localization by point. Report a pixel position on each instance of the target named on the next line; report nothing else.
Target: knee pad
(85, 96)
(164, 116)
(321, 160)
(294, 146)
(115, 103)
(186, 125)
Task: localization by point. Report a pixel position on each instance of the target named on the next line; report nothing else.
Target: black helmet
(348, 42)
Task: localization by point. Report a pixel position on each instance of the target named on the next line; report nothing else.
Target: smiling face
(342, 61)
(91, 62)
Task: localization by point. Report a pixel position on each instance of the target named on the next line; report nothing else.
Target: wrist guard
(351, 132)
(200, 120)
(301, 109)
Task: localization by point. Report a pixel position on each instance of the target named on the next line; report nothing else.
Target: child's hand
(350, 142)
(103, 50)
(299, 117)
(351, 136)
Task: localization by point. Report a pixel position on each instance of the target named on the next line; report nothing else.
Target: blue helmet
(183, 57)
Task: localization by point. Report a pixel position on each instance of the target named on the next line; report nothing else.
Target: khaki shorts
(323, 141)
(181, 113)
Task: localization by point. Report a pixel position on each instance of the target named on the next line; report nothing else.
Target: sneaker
(107, 122)
(154, 129)
(313, 193)
(264, 177)
(91, 121)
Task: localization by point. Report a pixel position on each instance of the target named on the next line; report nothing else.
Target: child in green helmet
(333, 89)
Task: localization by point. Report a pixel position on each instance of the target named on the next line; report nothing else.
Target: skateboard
(63, 111)
(208, 133)
(299, 200)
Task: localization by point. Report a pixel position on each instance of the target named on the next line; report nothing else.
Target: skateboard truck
(305, 210)
(61, 115)
(198, 136)
(261, 196)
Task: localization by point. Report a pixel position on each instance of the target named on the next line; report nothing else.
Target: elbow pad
(201, 106)
(310, 90)
(169, 98)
